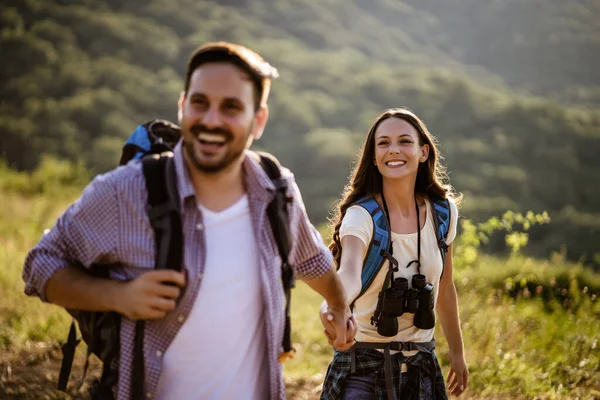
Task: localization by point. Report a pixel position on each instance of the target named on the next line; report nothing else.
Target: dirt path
(33, 373)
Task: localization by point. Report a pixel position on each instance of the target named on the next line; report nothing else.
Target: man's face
(217, 117)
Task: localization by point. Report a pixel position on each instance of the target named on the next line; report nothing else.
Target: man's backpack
(100, 330)
(378, 250)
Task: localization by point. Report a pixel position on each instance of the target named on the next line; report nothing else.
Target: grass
(530, 326)
(514, 346)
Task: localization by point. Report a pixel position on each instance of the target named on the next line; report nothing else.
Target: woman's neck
(400, 196)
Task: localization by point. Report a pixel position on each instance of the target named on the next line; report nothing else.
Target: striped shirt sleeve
(86, 233)
(308, 255)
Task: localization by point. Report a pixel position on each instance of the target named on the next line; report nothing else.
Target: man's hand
(338, 320)
(340, 327)
(151, 295)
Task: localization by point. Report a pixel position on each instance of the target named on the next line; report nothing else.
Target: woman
(399, 169)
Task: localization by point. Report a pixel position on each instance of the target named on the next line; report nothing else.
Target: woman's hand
(458, 377)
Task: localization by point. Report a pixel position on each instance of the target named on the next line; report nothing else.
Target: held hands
(151, 295)
(458, 377)
(340, 327)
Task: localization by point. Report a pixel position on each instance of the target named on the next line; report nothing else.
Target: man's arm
(146, 297)
(349, 275)
(88, 233)
(314, 265)
(330, 287)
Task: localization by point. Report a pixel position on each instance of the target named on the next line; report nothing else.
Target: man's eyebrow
(234, 99)
(229, 99)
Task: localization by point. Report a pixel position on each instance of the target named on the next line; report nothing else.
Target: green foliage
(473, 236)
(52, 176)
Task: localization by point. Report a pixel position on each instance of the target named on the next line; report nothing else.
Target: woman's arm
(349, 275)
(447, 309)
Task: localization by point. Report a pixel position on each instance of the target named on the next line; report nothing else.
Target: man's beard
(232, 155)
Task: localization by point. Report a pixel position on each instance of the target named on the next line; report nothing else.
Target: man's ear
(180, 106)
(260, 121)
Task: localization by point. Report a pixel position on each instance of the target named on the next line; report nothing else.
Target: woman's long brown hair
(366, 180)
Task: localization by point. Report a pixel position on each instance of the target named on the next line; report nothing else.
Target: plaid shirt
(423, 380)
(109, 224)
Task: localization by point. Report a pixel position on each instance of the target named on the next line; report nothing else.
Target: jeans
(360, 387)
(363, 387)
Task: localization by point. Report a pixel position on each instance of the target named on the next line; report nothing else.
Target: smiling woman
(400, 178)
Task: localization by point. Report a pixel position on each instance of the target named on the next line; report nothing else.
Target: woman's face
(397, 150)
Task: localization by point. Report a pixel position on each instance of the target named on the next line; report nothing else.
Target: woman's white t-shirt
(358, 222)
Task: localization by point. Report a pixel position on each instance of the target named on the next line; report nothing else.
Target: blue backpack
(378, 250)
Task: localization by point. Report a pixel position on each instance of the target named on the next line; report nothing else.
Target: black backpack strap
(165, 219)
(68, 351)
(277, 212)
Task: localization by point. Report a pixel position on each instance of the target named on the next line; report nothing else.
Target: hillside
(510, 89)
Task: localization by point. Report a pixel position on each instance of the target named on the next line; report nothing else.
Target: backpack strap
(441, 218)
(68, 351)
(165, 219)
(378, 250)
(277, 211)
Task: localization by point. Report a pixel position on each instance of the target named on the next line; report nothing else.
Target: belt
(387, 357)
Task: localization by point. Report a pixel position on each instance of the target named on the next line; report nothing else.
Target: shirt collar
(184, 183)
(257, 181)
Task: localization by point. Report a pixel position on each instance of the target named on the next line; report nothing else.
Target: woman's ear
(424, 153)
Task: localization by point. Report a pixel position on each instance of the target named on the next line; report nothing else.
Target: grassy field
(531, 327)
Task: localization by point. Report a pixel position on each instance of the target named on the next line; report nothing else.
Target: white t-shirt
(220, 351)
(358, 222)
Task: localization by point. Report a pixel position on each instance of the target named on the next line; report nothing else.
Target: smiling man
(222, 338)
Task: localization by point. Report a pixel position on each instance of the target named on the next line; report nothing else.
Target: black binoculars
(399, 299)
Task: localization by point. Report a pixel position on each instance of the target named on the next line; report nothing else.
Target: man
(221, 338)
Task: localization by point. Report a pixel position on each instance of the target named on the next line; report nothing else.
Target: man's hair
(261, 72)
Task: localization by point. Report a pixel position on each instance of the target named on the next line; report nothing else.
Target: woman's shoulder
(454, 215)
(451, 204)
(356, 214)
(357, 222)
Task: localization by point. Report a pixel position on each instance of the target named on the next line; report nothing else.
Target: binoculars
(399, 299)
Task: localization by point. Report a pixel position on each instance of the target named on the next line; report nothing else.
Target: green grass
(514, 346)
(24, 319)
(530, 326)
(530, 329)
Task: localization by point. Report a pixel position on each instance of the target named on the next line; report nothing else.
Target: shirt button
(180, 319)
(149, 395)
(199, 227)
(159, 353)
